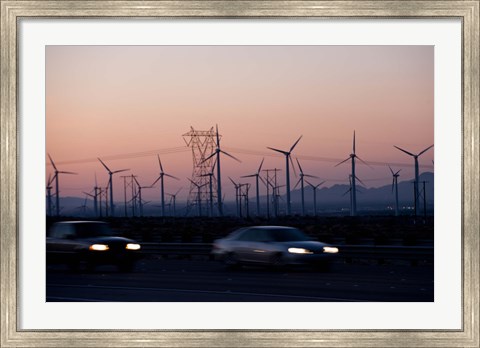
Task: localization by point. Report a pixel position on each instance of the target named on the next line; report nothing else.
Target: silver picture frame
(13, 11)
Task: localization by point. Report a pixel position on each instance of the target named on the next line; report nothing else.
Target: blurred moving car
(272, 245)
(86, 244)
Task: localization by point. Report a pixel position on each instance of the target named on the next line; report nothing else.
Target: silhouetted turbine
(395, 186)
(314, 189)
(57, 191)
(257, 177)
(219, 180)
(352, 157)
(300, 181)
(110, 184)
(415, 157)
(287, 173)
(162, 174)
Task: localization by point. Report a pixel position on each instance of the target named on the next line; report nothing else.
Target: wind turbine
(57, 192)
(415, 158)
(314, 189)
(173, 198)
(287, 173)
(257, 177)
(140, 187)
(49, 195)
(162, 174)
(210, 179)
(237, 195)
(219, 180)
(110, 184)
(353, 193)
(395, 187)
(300, 181)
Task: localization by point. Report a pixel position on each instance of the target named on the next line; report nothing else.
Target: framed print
(90, 88)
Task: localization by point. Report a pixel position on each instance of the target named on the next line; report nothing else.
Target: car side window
(247, 235)
(63, 231)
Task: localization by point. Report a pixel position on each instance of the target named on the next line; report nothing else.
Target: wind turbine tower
(57, 191)
(288, 159)
(49, 195)
(217, 153)
(314, 189)
(301, 182)
(415, 158)
(162, 187)
(110, 185)
(395, 187)
(352, 157)
(257, 177)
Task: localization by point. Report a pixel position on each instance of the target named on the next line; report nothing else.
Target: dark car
(86, 244)
(272, 245)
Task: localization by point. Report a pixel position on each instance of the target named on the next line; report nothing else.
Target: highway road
(173, 280)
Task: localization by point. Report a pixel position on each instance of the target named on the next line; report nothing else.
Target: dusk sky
(126, 104)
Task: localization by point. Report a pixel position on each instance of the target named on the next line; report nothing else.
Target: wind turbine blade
(347, 192)
(233, 182)
(354, 142)
(160, 164)
(281, 151)
(361, 182)
(119, 171)
(156, 181)
(299, 166)
(309, 176)
(428, 148)
(391, 170)
(298, 182)
(226, 153)
(51, 161)
(88, 194)
(64, 172)
(218, 137)
(323, 182)
(210, 156)
(293, 146)
(249, 176)
(171, 176)
(408, 153)
(293, 166)
(260, 168)
(368, 165)
(342, 162)
(180, 189)
(108, 170)
(396, 174)
(261, 179)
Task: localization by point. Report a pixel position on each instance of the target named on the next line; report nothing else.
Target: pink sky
(118, 100)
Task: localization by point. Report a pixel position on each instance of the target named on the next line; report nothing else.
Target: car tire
(231, 261)
(277, 261)
(126, 266)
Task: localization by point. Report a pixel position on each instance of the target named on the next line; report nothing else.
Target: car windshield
(87, 230)
(287, 235)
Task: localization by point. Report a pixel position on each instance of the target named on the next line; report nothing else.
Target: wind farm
(297, 125)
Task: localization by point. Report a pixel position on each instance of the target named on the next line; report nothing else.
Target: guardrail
(347, 252)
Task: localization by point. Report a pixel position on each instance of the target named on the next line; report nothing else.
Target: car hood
(107, 240)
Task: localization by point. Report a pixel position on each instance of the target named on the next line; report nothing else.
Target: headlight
(330, 250)
(299, 251)
(132, 246)
(98, 247)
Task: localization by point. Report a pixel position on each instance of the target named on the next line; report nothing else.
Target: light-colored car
(272, 245)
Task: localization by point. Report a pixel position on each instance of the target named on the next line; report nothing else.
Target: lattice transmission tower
(203, 144)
